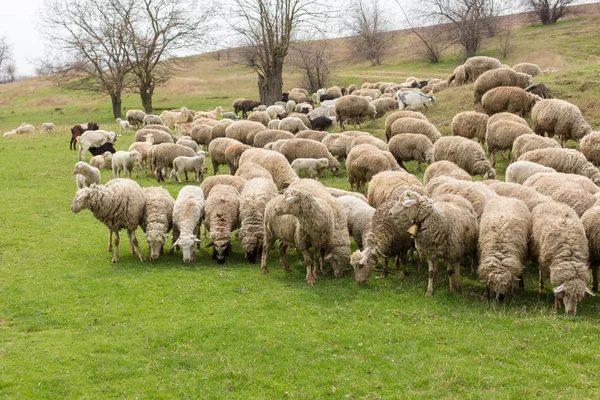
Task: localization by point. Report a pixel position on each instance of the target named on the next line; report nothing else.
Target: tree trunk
(270, 86)
(146, 93)
(116, 104)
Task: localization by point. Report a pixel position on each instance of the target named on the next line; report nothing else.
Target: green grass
(73, 325)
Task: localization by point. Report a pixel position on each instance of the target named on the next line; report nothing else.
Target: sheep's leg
(521, 282)
(186, 175)
(453, 270)
(595, 277)
(269, 241)
(541, 280)
(133, 242)
(282, 257)
(110, 246)
(404, 263)
(419, 169)
(486, 292)
(308, 262)
(116, 248)
(385, 267)
(493, 158)
(431, 274)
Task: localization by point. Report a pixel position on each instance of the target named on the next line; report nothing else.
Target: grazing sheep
(365, 161)
(505, 116)
(459, 76)
(274, 162)
(508, 99)
(559, 117)
(338, 144)
(445, 168)
(152, 119)
(355, 108)
(184, 164)
(261, 138)
(245, 106)
(292, 124)
(528, 68)
(501, 136)
(135, 117)
(219, 129)
(214, 114)
(590, 147)
(125, 161)
(474, 67)
(47, 127)
(217, 149)
(240, 130)
(340, 192)
(260, 116)
(86, 175)
(413, 125)
(230, 115)
(161, 157)
(236, 181)
(306, 148)
(527, 195)
(592, 231)
(384, 105)
(184, 129)
(411, 146)
(383, 186)
(559, 243)
(273, 111)
(251, 170)
(119, 204)
(237, 105)
(568, 161)
(203, 135)
(475, 193)
(314, 166)
(256, 194)
(470, 124)
(414, 99)
(400, 114)
(142, 148)
(170, 118)
(233, 154)
(102, 161)
(222, 214)
(358, 215)
(503, 241)
(312, 135)
(157, 219)
(448, 216)
(520, 171)
(158, 136)
(188, 142)
(530, 142)
(94, 139)
(125, 126)
(369, 139)
(334, 91)
(465, 153)
(499, 77)
(188, 211)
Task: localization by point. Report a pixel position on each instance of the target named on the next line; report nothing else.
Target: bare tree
(367, 22)
(312, 61)
(268, 28)
(504, 37)
(92, 39)
(8, 68)
(548, 11)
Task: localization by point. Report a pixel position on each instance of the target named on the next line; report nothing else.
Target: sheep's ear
(588, 291)
(409, 203)
(144, 235)
(175, 244)
(197, 240)
(559, 289)
(328, 256)
(211, 244)
(167, 236)
(291, 199)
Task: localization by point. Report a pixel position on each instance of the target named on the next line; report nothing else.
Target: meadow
(74, 325)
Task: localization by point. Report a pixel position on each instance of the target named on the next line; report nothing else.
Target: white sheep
(102, 161)
(86, 175)
(314, 166)
(47, 127)
(124, 125)
(94, 139)
(125, 161)
(187, 214)
(152, 119)
(25, 128)
(194, 164)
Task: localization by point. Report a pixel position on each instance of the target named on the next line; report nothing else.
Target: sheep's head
(80, 201)
(408, 203)
(290, 204)
(187, 246)
(363, 264)
(501, 284)
(156, 243)
(490, 174)
(221, 248)
(570, 293)
(78, 168)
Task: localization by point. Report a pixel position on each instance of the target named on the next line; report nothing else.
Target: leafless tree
(368, 24)
(91, 47)
(548, 11)
(267, 29)
(312, 61)
(8, 68)
(504, 37)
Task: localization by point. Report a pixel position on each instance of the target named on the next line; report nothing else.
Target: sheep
(503, 241)
(205, 121)
(564, 160)
(217, 149)
(505, 116)
(414, 99)
(400, 114)
(590, 223)
(142, 148)
(86, 175)
(159, 136)
(170, 118)
(47, 127)
(25, 128)
(256, 194)
(334, 91)
(305, 148)
(304, 108)
(470, 124)
(508, 99)
(251, 170)
(314, 166)
(119, 204)
(439, 86)
(188, 142)
(529, 142)
(383, 106)
(369, 139)
(527, 195)
(214, 114)
(240, 130)
(233, 154)
(374, 94)
(184, 164)
(94, 139)
(320, 123)
(559, 117)
(312, 135)
(358, 215)
(245, 106)
(528, 68)
(559, 243)
(102, 161)
(260, 116)
(590, 147)
(297, 96)
(203, 135)
(413, 125)
(465, 153)
(219, 129)
(353, 107)
(365, 161)
(476, 66)
(236, 181)
(270, 135)
(161, 157)
(152, 119)
(230, 115)
(323, 111)
(475, 193)
(125, 126)
(157, 219)
(10, 133)
(222, 214)
(184, 129)
(237, 105)
(499, 77)
(125, 161)
(339, 144)
(445, 168)
(274, 162)
(188, 211)
(519, 171)
(411, 146)
(501, 135)
(292, 124)
(458, 76)
(135, 117)
(383, 186)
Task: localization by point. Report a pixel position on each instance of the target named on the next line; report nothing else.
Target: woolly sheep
(383, 106)
(519, 171)
(590, 147)
(142, 148)
(503, 242)
(527, 195)
(334, 91)
(339, 144)
(217, 149)
(188, 211)
(292, 124)
(559, 243)
(135, 117)
(119, 204)
(270, 135)
(256, 194)
(314, 166)
(230, 115)
(233, 154)
(465, 153)
(458, 76)
(222, 214)
(312, 135)
(86, 175)
(305, 148)
(188, 142)
(505, 116)
(559, 117)
(157, 219)
(592, 231)
(275, 163)
(103, 161)
(240, 130)
(529, 142)
(528, 68)
(214, 114)
(365, 161)
(260, 116)
(161, 157)
(184, 164)
(501, 135)
(322, 111)
(358, 215)
(236, 181)
(401, 114)
(47, 127)
(475, 193)
(125, 161)
(478, 65)
(470, 124)
(152, 119)
(409, 146)
(125, 126)
(355, 108)
(445, 168)
(94, 139)
(508, 99)
(251, 170)
(170, 118)
(447, 216)
(158, 136)
(568, 161)
(385, 184)
(413, 125)
(273, 111)
(499, 77)
(203, 134)
(335, 192)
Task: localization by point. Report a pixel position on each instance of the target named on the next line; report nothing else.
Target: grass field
(73, 325)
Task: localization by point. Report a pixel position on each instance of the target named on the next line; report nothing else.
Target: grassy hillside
(73, 325)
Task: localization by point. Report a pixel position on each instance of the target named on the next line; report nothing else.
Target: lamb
(161, 157)
(414, 99)
(503, 241)
(305, 148)
(290, 106)
(499, 77)
(476, 66)
(445, 168)
(188, 211)
(365, 161)
(274, 162)
(568, 161)
(590, 147)
(383, 186)
(413, 125)
(409, 146)
(314, 166)
(212, 181)
(400, 114)
(520, 171)
(47, 127)
(96, 151)
(251, 170)
(358, 215)
(233, 154)
(103, 161)
(222, 213)
(312, 135)
(529, 142)
(230, 115)
(450, 217)
(217, 149)
(528, 68)
(214, 114)
(184, 164)
(270, 135)
(86, 175)
(384, 105)
(508, 99)
(124, 125)
(527, 195)
(320, 123)
(260, 116)
(470, 124)
(94, 139)
(353, 107)
(158, 136)
(559, 243)
(135, 117)
(152, 119)
(125, 161)
(170, 118)
(10, 133)
(119, 204)
(240, 130)
(501, 135)
(592, 231)
(465, 153)
(157, 219)
(559, 117)
(256, 194)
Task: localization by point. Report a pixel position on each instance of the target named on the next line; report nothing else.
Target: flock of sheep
(545, 211)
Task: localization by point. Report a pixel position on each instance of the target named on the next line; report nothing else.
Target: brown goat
(78, 130)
